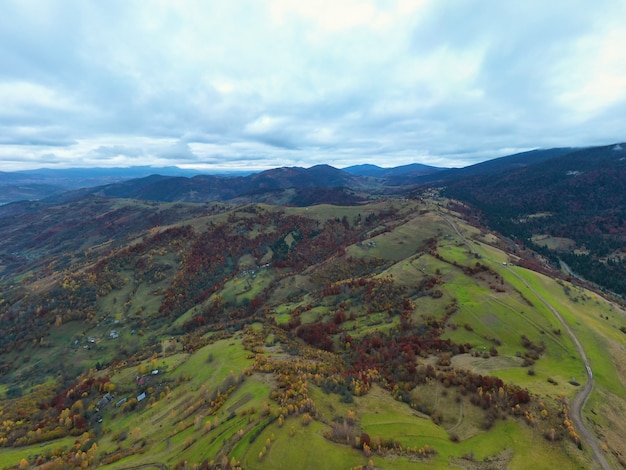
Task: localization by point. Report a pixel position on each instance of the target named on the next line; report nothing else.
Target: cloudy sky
(264, 83)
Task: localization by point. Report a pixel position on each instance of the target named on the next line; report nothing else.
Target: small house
(105, 400)
(121, 402)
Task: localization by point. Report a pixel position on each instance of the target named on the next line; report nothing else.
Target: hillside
(570, 208)
(286, 183)
(389, 334)
(45, 182)
(144, 182)
(495, 166)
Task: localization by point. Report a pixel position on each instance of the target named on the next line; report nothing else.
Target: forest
(312, 235)
(213, 335)
(578, 197)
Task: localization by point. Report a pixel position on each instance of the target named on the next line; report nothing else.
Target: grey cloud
(192, 82)
(36, 141)
(178, 151)
(107, 151)
(34, 136)
(33, 161)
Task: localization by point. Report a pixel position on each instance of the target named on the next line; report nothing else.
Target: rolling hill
(45, 182)
(206, 188)
(411, 170)
(394, 333)
(314, 318)
(193, 186)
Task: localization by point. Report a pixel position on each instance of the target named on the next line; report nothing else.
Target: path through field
(578, 402)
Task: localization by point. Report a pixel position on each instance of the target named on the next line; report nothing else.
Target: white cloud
(15, 95)
(260, 84)
(598, 80)
(264, 124)
(329, 15)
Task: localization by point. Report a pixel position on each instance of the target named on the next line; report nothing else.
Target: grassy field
(389, 418)
(174, 431)
(12, 457)
(305, 449)
(207, 404)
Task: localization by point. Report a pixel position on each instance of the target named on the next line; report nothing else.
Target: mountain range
(320, 318)
(45, 182)
(192, 185)
(567, 203)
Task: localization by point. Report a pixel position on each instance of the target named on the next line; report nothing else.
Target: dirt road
(578, 402)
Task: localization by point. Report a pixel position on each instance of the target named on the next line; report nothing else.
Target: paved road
(578, 402)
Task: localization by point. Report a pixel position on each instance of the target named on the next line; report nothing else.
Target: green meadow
(218, 401)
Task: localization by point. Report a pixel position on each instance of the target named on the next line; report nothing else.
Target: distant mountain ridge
(176, 184)
(413, 169)
(45, 182)
(204, 188)
(498, 165)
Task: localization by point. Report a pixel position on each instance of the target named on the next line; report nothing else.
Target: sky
(251, 85)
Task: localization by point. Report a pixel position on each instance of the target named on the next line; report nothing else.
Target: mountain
(46, 182)
(20, 191)
(418, 174)
(313, 318)
(203, 188)
(495, 166)
(365, 169)
(413, 169)
(73, 174)
(571, 208)
(223, 185)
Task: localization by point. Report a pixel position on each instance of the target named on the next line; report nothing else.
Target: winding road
(577, 403)
(159, 465)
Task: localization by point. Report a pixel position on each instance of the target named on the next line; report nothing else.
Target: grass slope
(222, 394)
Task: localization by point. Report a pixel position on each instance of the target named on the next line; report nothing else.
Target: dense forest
(579, 196)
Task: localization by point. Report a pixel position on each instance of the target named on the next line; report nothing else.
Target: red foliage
(521, 396)
(67, 397)
(318, 334)
(340, 317)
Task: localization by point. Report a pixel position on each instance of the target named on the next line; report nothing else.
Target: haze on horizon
(249, 85)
